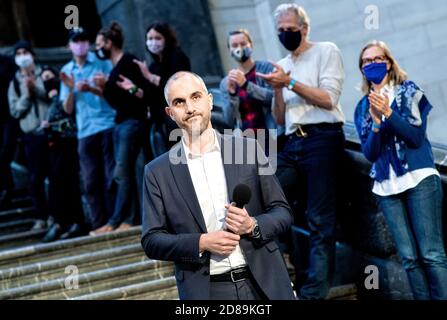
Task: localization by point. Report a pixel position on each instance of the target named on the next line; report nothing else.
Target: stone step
(21, 202)
(48, 251)
(343, 292)
(16, 214)
(159, 289)
(163, 294)
(21, 239)
(116, 282)
(83, 267)
(12, 274)
(85, 249)
(92, 282)
(16, 226)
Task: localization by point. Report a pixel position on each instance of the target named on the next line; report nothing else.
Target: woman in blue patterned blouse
(391, 120)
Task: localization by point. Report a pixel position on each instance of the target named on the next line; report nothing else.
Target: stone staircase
(110, 266)
(16, 221)
(106, 267)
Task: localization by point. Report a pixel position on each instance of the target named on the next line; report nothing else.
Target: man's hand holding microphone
(237, 222)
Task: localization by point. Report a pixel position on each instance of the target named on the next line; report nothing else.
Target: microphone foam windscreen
(241, 195)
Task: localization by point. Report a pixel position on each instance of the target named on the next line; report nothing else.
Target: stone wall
(415, 31)
(189, 18)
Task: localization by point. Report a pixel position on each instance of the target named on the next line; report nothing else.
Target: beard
(197, 125)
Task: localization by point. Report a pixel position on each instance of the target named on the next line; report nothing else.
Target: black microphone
(241, 195)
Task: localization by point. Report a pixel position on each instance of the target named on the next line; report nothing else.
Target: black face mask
(102, 54)
(291, 40)
(51, 84)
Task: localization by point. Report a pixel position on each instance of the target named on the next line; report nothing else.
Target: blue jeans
(414, 218)
(97, 163)
(127, 141)
(316, 159)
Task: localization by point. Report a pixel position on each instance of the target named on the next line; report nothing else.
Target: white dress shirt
(208, 177)
(321, 66)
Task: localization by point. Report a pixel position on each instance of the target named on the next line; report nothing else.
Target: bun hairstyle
(114, 33)
(166, 31)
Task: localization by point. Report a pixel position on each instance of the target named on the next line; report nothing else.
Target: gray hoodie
(30, 111)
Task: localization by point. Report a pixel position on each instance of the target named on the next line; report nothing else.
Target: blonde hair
(239, 31)
(396, 73)
(303, 18)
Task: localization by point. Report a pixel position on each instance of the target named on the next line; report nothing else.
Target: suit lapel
(184, 183)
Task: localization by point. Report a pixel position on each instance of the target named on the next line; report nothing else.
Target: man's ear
(168, 112)
(211, 101)
(305, 31)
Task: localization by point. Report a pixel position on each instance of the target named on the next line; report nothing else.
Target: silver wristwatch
(256, 233)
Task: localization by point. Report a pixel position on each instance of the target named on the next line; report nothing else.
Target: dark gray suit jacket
(173, 222)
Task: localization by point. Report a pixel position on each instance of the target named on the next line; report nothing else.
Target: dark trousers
(243, 290)
(64, 191)
(97, 163)
(8, 140)
(127, 141)
(36, 153)
(314, 160)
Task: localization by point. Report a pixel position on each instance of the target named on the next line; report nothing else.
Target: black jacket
(174, 60)
(128, 106)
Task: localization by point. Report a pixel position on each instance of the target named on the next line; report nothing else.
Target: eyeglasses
(377, 59)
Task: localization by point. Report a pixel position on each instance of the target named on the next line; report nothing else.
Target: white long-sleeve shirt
(321, 66)
(210, 185)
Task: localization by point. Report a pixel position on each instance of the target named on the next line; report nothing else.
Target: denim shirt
(93, 113)
(402, 140)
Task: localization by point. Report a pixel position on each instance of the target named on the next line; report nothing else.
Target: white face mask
(24, 60)
(155, 46)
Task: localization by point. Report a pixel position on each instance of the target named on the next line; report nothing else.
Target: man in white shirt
(307, 87)
(220, 251)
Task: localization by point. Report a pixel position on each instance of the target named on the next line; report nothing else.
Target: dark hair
(50, 68)
(166, 31)
(239, 31)
(23, 44)
(114, 33)
(78, 34)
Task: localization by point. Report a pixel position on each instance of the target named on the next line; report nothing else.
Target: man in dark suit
(220, 251)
